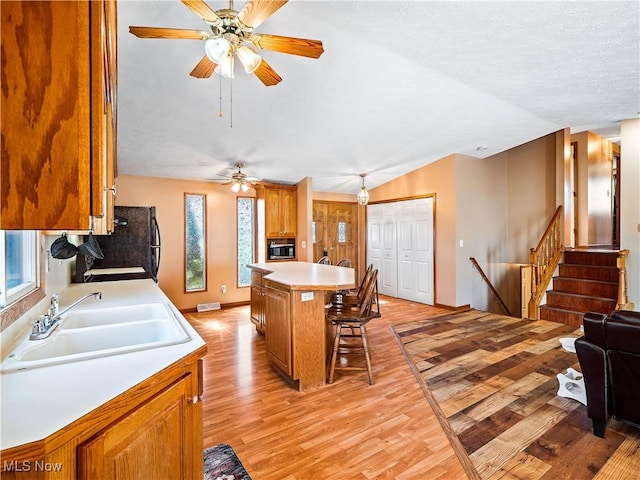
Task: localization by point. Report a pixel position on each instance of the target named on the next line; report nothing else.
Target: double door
(335, 231)
(400, 245)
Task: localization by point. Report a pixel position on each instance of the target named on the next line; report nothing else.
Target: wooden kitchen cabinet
(59, 98)
(149, 442)
(153, 430)
(257, 300)
(278, 329)
(280, 211)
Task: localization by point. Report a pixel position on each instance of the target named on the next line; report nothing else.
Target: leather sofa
(609, 355)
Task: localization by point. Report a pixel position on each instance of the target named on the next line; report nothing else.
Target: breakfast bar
(287, 304)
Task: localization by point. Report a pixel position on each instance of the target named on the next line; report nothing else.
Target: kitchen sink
(100, 332)
(110, 316)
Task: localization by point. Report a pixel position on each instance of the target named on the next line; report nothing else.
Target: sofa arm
(594, 328)
(593, 364)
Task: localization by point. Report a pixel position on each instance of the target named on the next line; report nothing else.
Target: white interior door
(374, 236)
(382, 246)
(423, 262)
(400, 245)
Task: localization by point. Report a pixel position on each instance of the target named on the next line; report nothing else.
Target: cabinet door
(278, 329)
(103, 114)
(272, 213)
(151, 442)
(45, 115)
(289, 213)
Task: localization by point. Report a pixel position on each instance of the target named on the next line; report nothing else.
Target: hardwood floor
(493, 378)
(346, 430)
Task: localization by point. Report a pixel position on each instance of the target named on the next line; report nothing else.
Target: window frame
(203, 200)
(253, 237)
(26, 297)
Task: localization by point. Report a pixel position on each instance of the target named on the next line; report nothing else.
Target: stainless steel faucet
(46, 324)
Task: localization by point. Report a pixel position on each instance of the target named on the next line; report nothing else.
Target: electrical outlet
(223, 289)
(306, 296)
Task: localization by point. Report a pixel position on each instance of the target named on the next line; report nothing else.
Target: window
(195, 242)
(246, 235)
(19, 272)
(342, 232)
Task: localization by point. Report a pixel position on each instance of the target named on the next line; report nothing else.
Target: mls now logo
(31, 466)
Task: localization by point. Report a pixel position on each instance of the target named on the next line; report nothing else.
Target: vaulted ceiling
(400, 84)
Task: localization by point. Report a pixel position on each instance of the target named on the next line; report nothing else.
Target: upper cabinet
(59, 97)
(280, 211)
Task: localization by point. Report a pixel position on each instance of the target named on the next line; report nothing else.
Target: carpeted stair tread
(585, 286)
(579, 302)
(562, 315)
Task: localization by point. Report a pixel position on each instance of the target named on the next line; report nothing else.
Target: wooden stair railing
(504, 307)
(623, 299)
(544, 260)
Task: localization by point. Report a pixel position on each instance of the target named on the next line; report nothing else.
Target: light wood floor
(347, 430)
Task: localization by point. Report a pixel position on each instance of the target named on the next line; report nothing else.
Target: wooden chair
(345, 262)
(350, 299)
(351, 330)
(325, 260)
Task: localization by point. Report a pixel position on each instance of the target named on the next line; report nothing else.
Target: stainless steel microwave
(279, 250)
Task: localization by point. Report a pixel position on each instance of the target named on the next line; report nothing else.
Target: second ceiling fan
(231, 31)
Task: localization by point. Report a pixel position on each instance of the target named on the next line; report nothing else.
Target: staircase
(587, 282)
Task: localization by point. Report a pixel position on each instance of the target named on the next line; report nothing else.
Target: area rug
(491, 380)
(222, 463)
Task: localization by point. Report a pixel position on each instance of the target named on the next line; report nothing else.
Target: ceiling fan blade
(204, 11)
(295, 46)
(266, 74)
(254, 12)
(204, 68)
(160, 32)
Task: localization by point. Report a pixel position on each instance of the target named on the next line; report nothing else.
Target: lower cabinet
(278, 332)
(153, 430)
(153, 441)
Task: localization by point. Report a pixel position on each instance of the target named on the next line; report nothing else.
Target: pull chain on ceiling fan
(231, 32)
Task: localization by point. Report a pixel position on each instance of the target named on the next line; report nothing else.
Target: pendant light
(363, 195)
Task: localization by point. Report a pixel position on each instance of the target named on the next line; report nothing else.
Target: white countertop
(37, 403)
(307, 275)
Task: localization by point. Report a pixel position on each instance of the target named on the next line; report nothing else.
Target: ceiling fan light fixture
(245, 187)
(235, 187)
(249, 59)
(217, 49)
(225, 67)
(363, 195)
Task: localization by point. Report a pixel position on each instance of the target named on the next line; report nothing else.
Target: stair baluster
(543, 261)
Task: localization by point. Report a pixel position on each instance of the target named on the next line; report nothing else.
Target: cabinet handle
(193, 400)
(112, 190)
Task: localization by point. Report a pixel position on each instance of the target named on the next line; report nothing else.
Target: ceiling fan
(231, 31)
(239, 181)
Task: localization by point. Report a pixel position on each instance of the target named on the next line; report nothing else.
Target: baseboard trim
(461, 308)
(222, 307)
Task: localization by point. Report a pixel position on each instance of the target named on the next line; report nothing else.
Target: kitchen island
(288, 306)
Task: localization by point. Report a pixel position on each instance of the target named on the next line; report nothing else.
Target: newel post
(623, 299)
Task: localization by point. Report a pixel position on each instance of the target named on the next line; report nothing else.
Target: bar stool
(350, 325)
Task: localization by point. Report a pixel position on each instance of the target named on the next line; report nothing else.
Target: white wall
(630, 203)
(481, 224)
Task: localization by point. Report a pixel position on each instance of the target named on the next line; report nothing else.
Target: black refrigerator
(135, 242)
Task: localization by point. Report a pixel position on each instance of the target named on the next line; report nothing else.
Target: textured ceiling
(400, 84)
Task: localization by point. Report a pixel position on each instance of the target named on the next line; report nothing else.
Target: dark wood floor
(494, 380)
(347, 430)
